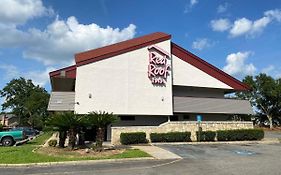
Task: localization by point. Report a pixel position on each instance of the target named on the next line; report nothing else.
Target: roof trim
(208, 68)
(98, 54)
(66, 69)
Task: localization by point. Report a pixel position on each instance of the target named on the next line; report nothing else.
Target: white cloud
(201, 43)
(274, 14)
(189, 5)
(268, 69)
(40, 78)
(58, 43)
(246, 27)
(272, 71)
(19, 11)
(260, 24)
(220, 24)
(193, 2)
(236, 64)
(240, 27)
(62, 39)
(11, 71)
(222, 8)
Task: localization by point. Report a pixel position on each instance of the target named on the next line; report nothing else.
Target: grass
(280, 140)
(24, 153)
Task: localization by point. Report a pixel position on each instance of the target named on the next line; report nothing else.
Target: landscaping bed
(32, 152)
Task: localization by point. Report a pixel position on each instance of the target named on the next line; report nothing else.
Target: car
(9, 138)
(29, 132)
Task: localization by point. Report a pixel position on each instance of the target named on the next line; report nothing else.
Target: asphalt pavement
(215, 159)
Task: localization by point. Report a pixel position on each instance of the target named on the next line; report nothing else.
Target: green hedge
(206, 135)
(170, 137)
(133, 138)
(239, 135)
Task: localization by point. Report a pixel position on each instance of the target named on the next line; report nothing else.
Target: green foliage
(52, 143)
(41, 139)
(133, 138)
(26, 100)
(265, 95)
(100, 120)
(67, 121)
(170, 137)
(1, 127)
(240, 135)
(206, 135)
(63, 121)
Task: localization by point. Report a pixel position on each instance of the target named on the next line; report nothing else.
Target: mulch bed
(67, 152)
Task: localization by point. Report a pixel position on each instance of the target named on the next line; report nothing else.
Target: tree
(100, 120)
(27, 101)
(265, 95)
(67, 122)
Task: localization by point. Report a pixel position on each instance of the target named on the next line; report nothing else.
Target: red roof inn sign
(159, 67)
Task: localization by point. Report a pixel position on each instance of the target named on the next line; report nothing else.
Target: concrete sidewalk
(157, 152)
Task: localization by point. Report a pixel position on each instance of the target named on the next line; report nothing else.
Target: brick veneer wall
(179, 126)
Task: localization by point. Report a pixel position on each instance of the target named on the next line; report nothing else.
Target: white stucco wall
(120, 84)
(185, 74)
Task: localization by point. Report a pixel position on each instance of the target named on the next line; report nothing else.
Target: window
(127, 117)
(186, 117)
(174, 118)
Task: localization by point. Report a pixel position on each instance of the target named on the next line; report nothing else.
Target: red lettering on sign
(158, 68)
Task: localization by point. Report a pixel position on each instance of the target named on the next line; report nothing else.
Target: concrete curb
(267, 141)
(80, 162)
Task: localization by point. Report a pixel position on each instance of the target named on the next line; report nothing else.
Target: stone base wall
(179, 126)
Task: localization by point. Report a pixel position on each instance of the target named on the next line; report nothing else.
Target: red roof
(70, 72)
(208, 68)
(119, 48)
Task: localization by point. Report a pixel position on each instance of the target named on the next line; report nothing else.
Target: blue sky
(240, 37)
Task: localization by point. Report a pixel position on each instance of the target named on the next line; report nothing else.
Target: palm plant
(67, 122)
(100, 120)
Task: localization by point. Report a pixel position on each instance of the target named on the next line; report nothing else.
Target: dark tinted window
(127, 117)
(186, 117)
(174, 118)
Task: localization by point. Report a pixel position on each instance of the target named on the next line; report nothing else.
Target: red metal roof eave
(57, 72)
(208, 68)
(80, 59)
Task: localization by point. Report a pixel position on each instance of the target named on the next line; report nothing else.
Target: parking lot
(229, 158)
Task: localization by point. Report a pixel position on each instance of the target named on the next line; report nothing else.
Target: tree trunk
(100, 137)
(81, 136)
(270, 121)
(62, 137)
(72, 138)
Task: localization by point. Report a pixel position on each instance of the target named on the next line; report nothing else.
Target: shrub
(1, 127)
(133, 138)
(52, 143)
(206, 135)
(239, 135)
(170, 137)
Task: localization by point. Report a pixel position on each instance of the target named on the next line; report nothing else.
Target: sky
(38, 36)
